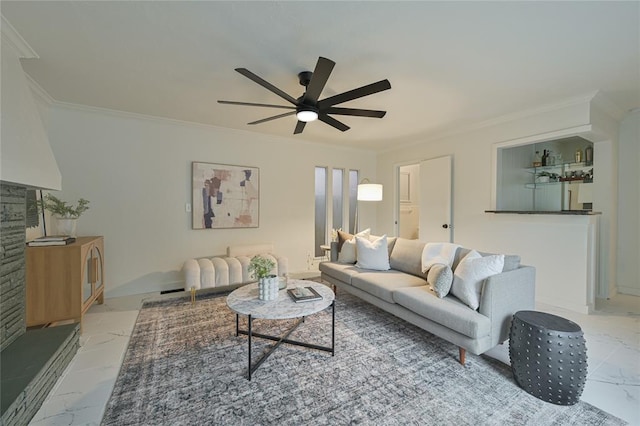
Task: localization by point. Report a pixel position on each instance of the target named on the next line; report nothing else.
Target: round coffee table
(245, 301)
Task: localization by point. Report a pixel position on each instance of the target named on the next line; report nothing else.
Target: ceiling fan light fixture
(307, 115)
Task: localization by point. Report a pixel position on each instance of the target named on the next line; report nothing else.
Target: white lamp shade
(369, 192)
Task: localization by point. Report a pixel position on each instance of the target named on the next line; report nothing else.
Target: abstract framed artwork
(225, 196)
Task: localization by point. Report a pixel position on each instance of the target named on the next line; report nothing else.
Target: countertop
(559, 212)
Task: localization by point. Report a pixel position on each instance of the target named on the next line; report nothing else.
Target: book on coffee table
(304, 294)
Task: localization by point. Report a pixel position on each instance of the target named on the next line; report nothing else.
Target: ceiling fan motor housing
(305, 78)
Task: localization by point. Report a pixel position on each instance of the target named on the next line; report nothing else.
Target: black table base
(283, 339)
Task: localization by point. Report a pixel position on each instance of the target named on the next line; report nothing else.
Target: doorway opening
(408, 201)
(424, 197)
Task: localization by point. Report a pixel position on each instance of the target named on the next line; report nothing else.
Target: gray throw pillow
(440, 277)
(406, 256)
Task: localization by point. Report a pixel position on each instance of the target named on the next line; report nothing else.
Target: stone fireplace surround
(32, 360)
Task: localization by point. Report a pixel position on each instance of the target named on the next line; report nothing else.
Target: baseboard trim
(628, 290)
(175, 290)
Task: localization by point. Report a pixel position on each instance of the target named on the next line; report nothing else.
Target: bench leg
(463, 354)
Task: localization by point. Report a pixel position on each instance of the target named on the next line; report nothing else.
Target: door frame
(396, 186)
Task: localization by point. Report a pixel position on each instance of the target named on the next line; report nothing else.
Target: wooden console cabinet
(64, 281)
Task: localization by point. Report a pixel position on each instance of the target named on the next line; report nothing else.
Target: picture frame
(36, 220)
(225, 196)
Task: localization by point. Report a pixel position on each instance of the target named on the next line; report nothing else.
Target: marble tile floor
(612, 334)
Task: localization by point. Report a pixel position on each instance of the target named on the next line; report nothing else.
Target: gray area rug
(185, 366)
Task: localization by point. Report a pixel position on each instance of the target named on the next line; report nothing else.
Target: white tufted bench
(230, 270)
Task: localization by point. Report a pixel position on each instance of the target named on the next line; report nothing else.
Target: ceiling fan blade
(360, 92)
(272, 118)
(299, 127)
(333, 122)
(355, 111)
(251, 76)
(319, 79)
(254, 104)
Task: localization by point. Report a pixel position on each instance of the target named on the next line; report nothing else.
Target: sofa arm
(505, 294)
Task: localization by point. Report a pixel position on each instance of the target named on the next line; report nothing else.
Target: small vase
(66, 226)
(268, 288)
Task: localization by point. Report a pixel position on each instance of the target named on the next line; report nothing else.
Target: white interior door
(435, 200)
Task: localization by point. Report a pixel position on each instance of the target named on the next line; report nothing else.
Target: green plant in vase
(260, 267)
(66, 214)
(62, 209)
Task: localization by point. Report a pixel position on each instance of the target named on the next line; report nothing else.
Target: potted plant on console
(260, 267)
(66, 214)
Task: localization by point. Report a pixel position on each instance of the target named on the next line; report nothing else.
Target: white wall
(136, 172)
(629, 206)
(557, 246)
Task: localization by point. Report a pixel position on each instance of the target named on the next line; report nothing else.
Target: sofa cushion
(407, 257)
(449, 312)
(470, 274)
(372, 254)
(511, 261)
(440, 278)
(339, 271)
(382, 283)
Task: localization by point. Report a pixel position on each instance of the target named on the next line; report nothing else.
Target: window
(320, 210)
(353, 199)
(337, 196)
(338, 199)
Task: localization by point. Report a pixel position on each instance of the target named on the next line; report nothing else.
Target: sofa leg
(463, 354)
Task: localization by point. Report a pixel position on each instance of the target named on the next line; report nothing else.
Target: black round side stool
(548, 356)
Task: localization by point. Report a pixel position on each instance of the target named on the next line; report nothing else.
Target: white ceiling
(450, 64)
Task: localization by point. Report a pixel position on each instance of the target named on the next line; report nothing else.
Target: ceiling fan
(308, 107)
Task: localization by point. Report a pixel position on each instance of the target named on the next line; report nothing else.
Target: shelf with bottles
(558, 180)
(569, 166)
(558, 174)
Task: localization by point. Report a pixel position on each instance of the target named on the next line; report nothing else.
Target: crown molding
(503, 119)
(601, 101)
(16, 41)
(192, 124)
(37, 90)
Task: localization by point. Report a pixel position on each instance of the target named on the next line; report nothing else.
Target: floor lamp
(367, 192)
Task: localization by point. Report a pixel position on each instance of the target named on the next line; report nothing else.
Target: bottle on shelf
(588, 155)
(545, 157)
(537, 159)
(578, 156)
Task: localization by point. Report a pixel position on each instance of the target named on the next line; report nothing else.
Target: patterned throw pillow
(440, 278)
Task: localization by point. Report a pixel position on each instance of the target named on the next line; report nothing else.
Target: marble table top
(245, 301)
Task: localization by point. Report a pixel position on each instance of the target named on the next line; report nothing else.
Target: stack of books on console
(54, 240)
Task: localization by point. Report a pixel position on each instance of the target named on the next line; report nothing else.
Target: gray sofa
(403, 291)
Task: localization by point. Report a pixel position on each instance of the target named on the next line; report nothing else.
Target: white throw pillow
(472, 270)
(372, 254)
(348, 253)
